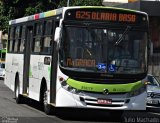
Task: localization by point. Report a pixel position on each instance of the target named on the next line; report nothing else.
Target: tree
(81, 3)
(40, 6)
(3, 19)
(12, 9)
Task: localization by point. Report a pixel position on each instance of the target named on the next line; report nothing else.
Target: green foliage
(12, 9)
(81, 3)
(3, 19)
(4, 23)
(39, 6)
(30, 11)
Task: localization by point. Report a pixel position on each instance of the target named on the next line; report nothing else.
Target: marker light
(61, 79)
(36, 16)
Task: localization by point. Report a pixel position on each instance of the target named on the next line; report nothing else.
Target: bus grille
(94, 102)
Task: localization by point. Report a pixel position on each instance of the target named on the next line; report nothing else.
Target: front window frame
(119, 75)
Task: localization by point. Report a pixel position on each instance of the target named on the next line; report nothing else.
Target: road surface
(10, 112)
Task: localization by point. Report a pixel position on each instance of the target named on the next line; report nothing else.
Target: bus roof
(59, 11)
(36, 16)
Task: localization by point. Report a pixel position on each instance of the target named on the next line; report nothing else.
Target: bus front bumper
(100, 101)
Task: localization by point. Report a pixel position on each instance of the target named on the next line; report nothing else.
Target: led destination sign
(109, 15)
(105, 16)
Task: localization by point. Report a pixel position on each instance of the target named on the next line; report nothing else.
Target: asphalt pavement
(10, 112)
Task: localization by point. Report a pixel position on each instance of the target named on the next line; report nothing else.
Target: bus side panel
(14, 65)
(45, 67)
(34, 80)
(38, 71)
(8, 70)
(45, 71)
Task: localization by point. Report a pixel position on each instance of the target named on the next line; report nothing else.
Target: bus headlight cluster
(148, 94)
(137, 91)
(68, 87)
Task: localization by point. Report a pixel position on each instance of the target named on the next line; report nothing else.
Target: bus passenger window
(11, 39)
(39, 29)
(48, 27)
(47, 45)
(22, 43)
(17, 39)
(47, 40)
(37, 46)
(11, 45)
(16, 45)
(37, 37)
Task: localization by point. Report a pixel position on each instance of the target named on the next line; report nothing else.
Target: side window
(39, 29)
(37, 46)
(22, 43)
(17, 38)
(11, 39)
(47, 40)
(48, 27)
(37, 38)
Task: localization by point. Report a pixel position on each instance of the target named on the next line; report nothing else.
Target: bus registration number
(104, 101)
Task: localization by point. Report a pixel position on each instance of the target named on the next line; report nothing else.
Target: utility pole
(68, 2)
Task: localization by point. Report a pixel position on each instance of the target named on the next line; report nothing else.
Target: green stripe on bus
(49, 71)
(30, 72)
(100, 87)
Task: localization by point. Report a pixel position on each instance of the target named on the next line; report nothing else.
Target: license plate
(153, 101)
(104, 101)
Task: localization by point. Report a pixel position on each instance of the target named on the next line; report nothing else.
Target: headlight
(148, 94)
(68, 87)
(137, 91)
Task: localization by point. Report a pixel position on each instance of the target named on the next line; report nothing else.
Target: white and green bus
(83, 57)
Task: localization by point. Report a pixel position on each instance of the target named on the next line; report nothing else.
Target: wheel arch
(15, 81)
(42, 87)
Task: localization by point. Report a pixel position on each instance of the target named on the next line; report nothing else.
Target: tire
(18, 97)
(46, 106)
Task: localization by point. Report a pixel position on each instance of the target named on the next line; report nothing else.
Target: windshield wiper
(124, 33)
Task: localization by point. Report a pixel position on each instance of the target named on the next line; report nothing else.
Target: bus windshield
(104, 50)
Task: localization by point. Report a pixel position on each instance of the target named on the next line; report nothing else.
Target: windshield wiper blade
(124, 33)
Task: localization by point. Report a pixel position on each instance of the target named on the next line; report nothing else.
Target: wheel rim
(45, 96)
(17, 93)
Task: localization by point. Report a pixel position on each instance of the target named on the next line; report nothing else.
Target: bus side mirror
(57, 34)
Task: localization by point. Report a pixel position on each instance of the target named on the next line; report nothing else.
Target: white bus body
(37, 75)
